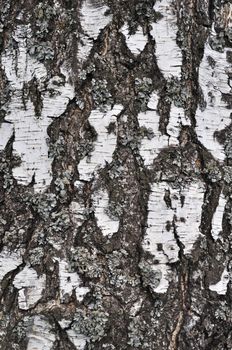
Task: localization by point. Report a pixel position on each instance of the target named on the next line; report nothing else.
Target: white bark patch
(30, 287)
(135, 42)
(150, 147)
(31, 130)
(77, 213)
(184, 211)
(217, 217)
(93, 19)
(104, 145)
(136, 307)
(106, 223)
(9, 261)
(213, 80)
(221, 286)
(69, 282)
(153, 101)
(40, 336)
(84, 48)
(6, 131)
(176, 120)
(79, 340)
(168, 54)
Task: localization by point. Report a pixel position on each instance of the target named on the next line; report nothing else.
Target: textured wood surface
(115, 175)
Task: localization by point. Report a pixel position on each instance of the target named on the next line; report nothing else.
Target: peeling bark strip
(154, 142)
(9, 261)
(173, 225)
(107, 224)
(30, 287)
(69, 282)
(105, 144)
(115, 175)
(30, 120)
(40, 334)
(164, 32)
(93, 18)
(135, 42)
(221, 286)
(215, 113)
(218, 217)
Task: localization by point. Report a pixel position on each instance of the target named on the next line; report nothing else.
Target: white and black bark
(115, 174)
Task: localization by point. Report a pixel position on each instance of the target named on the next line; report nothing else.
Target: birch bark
(115, 174)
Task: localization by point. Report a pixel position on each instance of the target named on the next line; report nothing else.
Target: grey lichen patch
(42, 52)
(118, 275)
(142, 336)
(43, 204)
(61, 184)
(49, 21)
(151, 277)
(217, 42)
(57, 230)
(57, 148)
(228, 149)
(114, 210)
(108, 347)
(88, 263)
(177, 92)
(143, 88)
(101, 95)
(223, 22)
(8, 162)
(222, 312)
(228, 174)
(128, 135)
(91, 323)
(39, 45)
(36, 255)
(165, 172)
(19, 333)
(15, 230)
(86, 71)
(213, 171)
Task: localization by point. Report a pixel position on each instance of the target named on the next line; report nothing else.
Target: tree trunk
(115, 174)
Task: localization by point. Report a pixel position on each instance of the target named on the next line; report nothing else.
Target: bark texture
(115, 174)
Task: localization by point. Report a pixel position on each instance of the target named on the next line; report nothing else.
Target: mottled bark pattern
(115, 174)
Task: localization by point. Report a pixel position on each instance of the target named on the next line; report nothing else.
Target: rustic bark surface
(115, 174)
